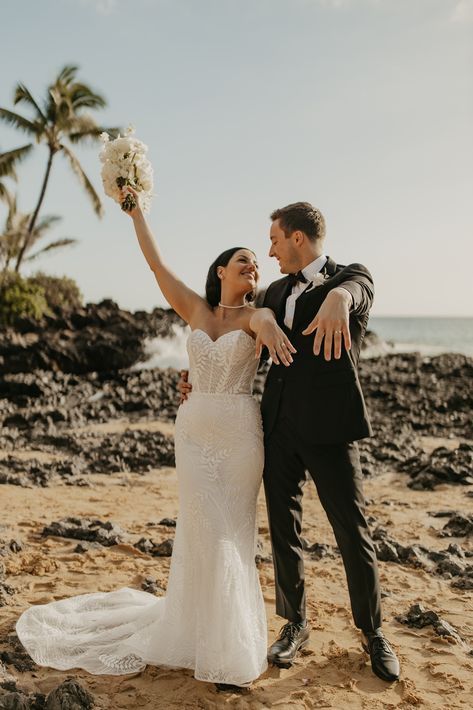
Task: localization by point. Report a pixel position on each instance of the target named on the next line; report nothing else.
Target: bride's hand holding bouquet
(125, 165)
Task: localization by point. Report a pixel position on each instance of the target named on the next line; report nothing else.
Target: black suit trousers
(336, 472)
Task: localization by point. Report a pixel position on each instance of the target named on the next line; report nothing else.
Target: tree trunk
(34, 216)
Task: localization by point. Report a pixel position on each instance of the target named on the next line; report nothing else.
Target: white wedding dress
(212, 618)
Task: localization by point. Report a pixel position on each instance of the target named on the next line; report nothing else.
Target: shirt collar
(314, 267)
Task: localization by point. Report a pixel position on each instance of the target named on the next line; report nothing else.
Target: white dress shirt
(309, 272)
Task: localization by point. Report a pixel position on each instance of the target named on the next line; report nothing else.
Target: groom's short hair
(301, 216)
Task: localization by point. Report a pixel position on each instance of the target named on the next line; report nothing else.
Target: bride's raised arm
(180, 297)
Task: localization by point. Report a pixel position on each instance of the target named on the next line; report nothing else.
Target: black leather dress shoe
(292, 637)
(384, 661)
(229, 688)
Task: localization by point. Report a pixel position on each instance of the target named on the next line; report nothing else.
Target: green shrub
(20, 299)
(61, 292)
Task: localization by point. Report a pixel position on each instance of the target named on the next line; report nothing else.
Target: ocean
(429, 336)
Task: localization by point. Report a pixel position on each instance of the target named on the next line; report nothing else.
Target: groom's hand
(332, 324)
(184, 386)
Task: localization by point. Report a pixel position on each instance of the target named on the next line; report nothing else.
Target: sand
(333, 671)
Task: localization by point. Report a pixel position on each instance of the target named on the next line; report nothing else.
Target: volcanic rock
(155, 549)
(449, 563)
(168, 522)
(105, 533)
(319, 550)
(97, 337)
(151, 585)
(70, 695)
(458, 525)
(418, 618)
(132, 450)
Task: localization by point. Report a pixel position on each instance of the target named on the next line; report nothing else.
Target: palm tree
(7, 166)
(16, 238)
(63, 115)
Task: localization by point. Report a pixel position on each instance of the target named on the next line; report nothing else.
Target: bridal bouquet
(125, 163)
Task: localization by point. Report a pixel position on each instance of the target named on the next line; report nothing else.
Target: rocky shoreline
(73, 370)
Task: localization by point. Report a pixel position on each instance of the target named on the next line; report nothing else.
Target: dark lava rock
(72, 401)
(432, 394)
(448, 563)
(151, 585)
(168, 522)
(38, 473)
(13, 545)
(418, 618)
(133, 450)
(442, 466)
(319, 550)
(155, 549)
(409, 395)
(16, 655)
(98, 337)
(82, 547)
(6, 592)
(262, 555)
(89, 529)
(70, 695)
(458, 526)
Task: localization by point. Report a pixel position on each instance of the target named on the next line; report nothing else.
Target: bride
(212, 618)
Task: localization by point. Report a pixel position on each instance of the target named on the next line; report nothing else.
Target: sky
(362, 107)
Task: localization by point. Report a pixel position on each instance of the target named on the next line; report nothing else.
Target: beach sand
(333, 672)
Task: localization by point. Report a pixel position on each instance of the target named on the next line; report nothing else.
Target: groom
(313, 413)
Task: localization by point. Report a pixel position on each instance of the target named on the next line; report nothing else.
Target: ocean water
(429, 336)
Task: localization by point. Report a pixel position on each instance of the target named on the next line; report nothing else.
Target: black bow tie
(298, 276)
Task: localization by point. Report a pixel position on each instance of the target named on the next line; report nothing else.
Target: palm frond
(83, 179)
(17, 121)
(82, 96)
(93, 134)
(22, 93)
(67, 74)
(46, 222)
(53, 245)
(10, 199)
(8, 160)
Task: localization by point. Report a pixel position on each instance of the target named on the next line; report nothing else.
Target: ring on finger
(338, 332)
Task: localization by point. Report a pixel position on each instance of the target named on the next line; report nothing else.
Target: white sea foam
(166, 352)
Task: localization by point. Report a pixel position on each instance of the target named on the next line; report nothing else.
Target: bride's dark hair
(213, 285)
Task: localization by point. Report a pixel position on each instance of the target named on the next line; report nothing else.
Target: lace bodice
(226, 365)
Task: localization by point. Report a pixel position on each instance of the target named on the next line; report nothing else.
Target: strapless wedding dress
(212, 618)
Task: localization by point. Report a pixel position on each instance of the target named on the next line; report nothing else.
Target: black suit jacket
(323, 398)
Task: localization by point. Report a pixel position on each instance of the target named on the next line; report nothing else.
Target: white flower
(125, 159)
(318, 279)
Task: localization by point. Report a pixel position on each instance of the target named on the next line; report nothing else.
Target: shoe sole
(288, 664)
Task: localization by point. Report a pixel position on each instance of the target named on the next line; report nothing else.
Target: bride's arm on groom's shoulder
(268, 334)
(180, 297)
